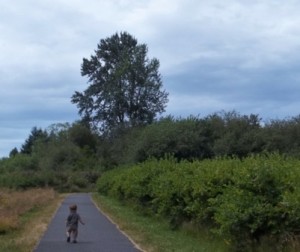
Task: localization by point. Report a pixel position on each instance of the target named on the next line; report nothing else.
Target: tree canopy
(125, 86)
(35, 135)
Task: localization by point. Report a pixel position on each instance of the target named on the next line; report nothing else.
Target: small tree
(125, 85)
(35, 135)
(13, 152)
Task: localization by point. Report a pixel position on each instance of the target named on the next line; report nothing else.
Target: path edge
(117, 226)
(50, 220)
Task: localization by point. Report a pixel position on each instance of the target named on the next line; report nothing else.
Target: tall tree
(125, 87)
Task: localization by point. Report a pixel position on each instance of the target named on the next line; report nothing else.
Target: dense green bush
(19, 162)
(63, 157)
(183, 138)
(239, 136)
(74, 148)
(255, 203)
(241, 200)
(219, 134)
(283, 136)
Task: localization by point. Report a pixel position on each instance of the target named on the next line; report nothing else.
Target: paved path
(97, 235)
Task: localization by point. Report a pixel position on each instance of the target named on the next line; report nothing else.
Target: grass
(153, 234)
(24, 217)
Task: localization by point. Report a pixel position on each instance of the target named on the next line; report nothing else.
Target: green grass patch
(154, 233)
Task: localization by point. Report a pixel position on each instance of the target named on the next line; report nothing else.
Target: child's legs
(75, 233)
(72, 233)
(68, 232)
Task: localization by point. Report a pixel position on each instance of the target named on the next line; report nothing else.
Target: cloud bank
(214, 55)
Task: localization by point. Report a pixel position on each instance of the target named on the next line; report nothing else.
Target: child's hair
(73, 207)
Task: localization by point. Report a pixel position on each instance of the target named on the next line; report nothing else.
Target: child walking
(72, 224)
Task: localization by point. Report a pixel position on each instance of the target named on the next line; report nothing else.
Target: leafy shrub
(184, 138)
(242, 200)
(19, 162)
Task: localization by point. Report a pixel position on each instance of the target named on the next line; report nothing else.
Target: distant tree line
(73, 156)
(218, 134)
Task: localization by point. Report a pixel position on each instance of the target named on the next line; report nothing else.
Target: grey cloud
(214, 56)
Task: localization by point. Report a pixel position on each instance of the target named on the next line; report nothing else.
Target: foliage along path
(98, 233)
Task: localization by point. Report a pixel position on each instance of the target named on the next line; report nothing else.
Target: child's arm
(67, 220)
(81, 221)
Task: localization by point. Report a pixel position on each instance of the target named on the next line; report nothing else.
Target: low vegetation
(24, 217)
(152, 233)
(246, 202)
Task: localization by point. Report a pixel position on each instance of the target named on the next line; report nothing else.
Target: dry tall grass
(24, 217)
(14, 204)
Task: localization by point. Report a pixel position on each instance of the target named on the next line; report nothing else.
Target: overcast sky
(215, 55)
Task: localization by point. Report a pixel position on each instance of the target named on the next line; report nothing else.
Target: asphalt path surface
(98, 234)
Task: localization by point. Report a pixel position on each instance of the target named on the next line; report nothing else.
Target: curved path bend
(98, 234)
